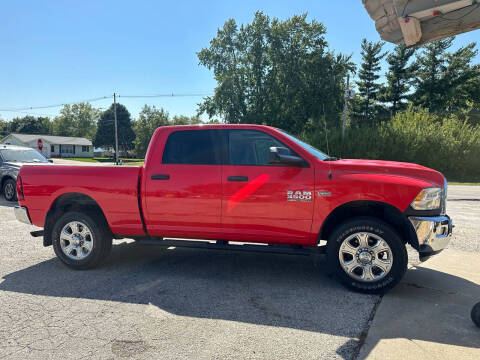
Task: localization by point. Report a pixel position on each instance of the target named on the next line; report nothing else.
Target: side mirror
(281, 155)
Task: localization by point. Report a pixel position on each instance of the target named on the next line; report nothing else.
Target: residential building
(52, 146)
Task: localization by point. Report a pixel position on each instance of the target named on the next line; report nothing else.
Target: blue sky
(63, 51)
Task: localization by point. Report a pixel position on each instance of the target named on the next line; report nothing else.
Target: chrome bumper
(21, 213)
(433, 233)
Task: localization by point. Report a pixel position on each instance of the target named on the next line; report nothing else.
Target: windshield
(314, 151)
(24, 155)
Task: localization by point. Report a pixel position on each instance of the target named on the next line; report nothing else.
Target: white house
(52, 146)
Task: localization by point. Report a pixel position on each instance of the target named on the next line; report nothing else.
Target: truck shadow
(272, 290)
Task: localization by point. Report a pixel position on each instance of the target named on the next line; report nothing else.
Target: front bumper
(433, 233)
(21, 213)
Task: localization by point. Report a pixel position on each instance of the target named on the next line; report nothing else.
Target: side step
(225, 245)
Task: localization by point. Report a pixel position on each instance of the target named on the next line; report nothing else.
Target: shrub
(447, 144)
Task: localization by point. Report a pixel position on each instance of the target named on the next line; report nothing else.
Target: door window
(194, 147)
(251, 147)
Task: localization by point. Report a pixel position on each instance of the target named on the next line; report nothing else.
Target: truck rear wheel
(79, 241)
(367, 255)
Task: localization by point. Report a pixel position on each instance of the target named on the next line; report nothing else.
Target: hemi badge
(324, 193)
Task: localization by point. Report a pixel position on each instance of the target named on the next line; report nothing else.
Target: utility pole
(345, 106)
(116, 127)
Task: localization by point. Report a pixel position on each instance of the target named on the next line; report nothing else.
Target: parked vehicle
(244, 183)
(11, 159)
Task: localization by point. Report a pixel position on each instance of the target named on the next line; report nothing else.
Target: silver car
(11, 159)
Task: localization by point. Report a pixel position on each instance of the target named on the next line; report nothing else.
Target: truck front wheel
(79, 241)
(367, 255)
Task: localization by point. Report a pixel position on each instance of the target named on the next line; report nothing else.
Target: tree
(76, 120)
(462, 80)
(30, 125)
(4, 128)
(274, 72)
(105, 135)
(399, 78)
(368, 87)
(447, 82)
(429, 79)
(149, 119)
(185, 120)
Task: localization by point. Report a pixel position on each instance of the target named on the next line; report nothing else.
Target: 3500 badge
(299, 195)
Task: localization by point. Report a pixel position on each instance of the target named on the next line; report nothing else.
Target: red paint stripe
(242, 193)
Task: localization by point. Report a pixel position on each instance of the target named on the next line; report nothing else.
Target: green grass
(83, 159)
(464, 183)
(134, 163)
(104, 159)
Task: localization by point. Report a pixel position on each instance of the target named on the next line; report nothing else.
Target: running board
(36, 233)
(225, 245)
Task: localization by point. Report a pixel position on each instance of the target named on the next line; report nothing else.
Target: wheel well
(386, 212)
(71, 202)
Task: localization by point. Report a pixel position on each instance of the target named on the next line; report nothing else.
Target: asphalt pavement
(148, 302)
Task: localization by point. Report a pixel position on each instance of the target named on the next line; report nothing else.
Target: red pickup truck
(243, 187)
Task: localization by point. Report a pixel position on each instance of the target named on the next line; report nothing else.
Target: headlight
(428, 199)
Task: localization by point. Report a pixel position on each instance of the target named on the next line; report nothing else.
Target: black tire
(476, 314)
(8, 186)
(102, 240)
(384, 231)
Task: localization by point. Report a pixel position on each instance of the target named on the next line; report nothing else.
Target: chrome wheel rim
(365, 256)
(9, 191)
(76, 240)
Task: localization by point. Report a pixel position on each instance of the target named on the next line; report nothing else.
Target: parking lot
(147, 302)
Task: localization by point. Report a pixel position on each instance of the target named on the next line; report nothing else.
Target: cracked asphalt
(147, 302)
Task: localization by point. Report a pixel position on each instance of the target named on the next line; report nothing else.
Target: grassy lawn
(464, 183)
(134, 163)
(102, 159)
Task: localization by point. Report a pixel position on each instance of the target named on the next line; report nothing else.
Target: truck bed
(114, 188)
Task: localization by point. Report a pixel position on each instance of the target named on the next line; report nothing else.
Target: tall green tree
(368, 85)
(185, 120)
(274, 72)
(4, 128)
(30, 125)
(148, 120)
(447, 82)
(429, 81)
(462, 79)
(400, 76)
(78, 120)
(105, 135)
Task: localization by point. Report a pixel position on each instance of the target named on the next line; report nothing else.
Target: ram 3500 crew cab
(243, 183)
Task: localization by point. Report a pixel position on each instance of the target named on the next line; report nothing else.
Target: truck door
(183, 187)
(264, 202)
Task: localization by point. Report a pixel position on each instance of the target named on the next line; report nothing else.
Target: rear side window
(251, 147)
(195, 147)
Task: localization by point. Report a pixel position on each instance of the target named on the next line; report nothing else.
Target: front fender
(394, 190)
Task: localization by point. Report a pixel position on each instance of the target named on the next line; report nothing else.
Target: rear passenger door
(260, 200)
(183, 188)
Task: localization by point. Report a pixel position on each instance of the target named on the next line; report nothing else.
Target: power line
(163, 95)
(29, 113)
(55, 105)
(101, 98)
